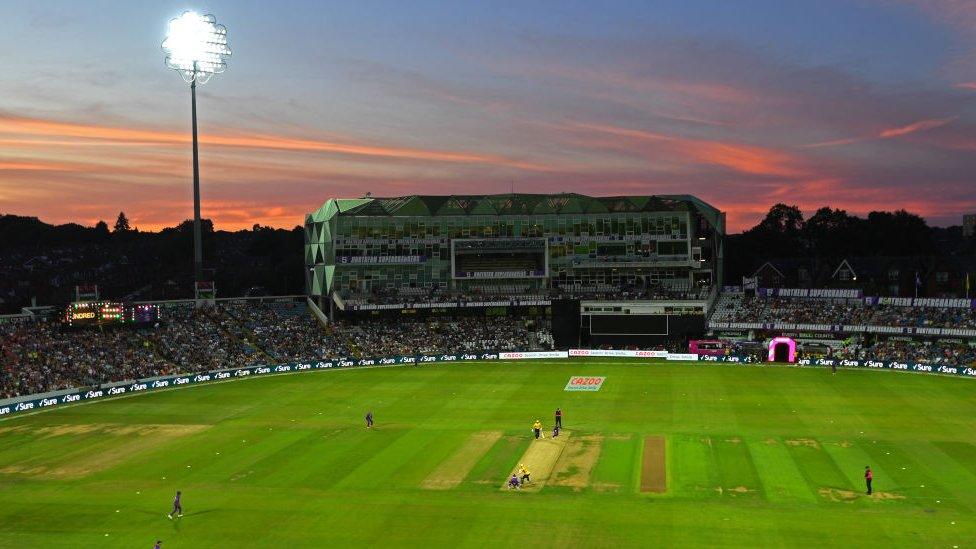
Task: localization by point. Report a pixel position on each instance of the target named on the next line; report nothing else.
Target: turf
(755, 456)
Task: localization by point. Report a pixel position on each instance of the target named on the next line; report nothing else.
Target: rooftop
(508, 204)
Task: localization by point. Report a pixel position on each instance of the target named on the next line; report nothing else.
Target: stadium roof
(509, 204)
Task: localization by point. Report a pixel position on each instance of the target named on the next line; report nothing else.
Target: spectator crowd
(839, 312)
(42, 356)
(936, 353)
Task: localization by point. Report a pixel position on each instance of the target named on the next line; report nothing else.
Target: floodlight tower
(196, 47)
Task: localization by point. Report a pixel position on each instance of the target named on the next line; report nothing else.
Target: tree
(899, 233)
(101, 228)
(782, 220)
(832, 233)
(122, 223)
(779, 233)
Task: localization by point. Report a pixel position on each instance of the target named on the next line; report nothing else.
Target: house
(876, 276)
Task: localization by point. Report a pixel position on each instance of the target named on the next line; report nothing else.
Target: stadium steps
(236, 337)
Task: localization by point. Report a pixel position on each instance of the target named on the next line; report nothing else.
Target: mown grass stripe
(349, 452)
(737, 472)
(495, 465)
(614, 469)
(781, 478)
(818, 469)
(694, 469)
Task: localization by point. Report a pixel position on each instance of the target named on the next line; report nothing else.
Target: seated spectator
(45, 356)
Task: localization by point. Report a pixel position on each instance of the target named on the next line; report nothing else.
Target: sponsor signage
(832, 293)
(618, 352)
(34, 403)
(352, 305)
(531, 355)
(378, 259)
(585, 383)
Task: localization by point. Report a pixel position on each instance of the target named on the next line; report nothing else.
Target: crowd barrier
(41, 402)
(851, 363)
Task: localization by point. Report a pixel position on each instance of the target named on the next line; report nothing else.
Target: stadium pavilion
(388, 253)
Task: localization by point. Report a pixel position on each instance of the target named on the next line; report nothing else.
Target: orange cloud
(890, 133)
(746, 159)
(29, 128)
(32, 166)
(967, 85)
(919, 126)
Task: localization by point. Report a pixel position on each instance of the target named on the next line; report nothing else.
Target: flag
(918, 281)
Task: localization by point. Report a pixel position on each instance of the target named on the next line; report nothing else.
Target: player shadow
(200, 512)
(190, 514)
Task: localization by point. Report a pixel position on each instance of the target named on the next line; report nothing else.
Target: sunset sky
(857, 104)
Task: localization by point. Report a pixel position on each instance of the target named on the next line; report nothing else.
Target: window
(844, 275)
(893, 275)
(942, 277)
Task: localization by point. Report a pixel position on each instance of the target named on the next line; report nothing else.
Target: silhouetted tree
(831, 232)
(122, 223)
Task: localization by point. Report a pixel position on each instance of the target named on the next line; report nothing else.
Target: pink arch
(787, 340)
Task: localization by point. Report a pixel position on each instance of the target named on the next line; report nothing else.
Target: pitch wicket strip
(539, 459)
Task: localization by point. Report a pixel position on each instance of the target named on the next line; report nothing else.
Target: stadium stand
(739, 308)
(904, 330)
(44, 356)
(911, 350)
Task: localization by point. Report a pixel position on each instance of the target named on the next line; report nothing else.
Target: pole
(197, 240)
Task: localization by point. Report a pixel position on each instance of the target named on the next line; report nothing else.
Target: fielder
(177, 507)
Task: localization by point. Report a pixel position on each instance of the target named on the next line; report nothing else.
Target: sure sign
(585, 383)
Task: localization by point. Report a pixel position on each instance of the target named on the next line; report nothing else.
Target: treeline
(45, 262)
(834, 234)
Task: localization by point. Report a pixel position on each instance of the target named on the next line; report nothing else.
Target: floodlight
(196, 47)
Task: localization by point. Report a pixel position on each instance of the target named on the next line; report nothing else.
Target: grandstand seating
(870, 324)
(738, 308)
(43, 356)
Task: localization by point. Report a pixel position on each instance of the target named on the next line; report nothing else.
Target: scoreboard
(142, 314)
(101, 313)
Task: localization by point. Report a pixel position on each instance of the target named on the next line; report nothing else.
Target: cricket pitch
(540, 459)
(654, 477)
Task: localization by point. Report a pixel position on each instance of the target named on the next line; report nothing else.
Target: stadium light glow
(196, 47)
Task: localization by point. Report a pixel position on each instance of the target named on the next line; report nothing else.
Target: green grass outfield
(756, 456)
